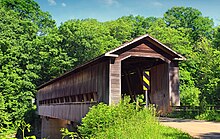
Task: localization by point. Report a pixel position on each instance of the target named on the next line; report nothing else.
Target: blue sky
(105, 10)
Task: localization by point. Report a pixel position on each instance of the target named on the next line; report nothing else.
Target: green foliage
(210, 115)
(189, 18)
(30, 10)
(22, 125)
(66, 133)
(14, 83)
(85, 39)
(29, 56)
(124, 121)
(4, 116)
(189, 95)
(216, 38)
(199, 114)
(97, 120)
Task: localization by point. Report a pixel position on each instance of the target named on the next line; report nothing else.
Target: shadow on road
(211, 135)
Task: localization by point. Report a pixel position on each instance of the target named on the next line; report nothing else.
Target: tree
(188, 17)
(29, 9)
(85, 39)
(207, 74)
(216, 38)
(49, 58)
(138, 24)
(29, 56)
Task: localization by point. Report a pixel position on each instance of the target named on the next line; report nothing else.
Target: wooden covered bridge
(107, 79)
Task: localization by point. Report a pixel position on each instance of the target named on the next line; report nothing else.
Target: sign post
(146, 85)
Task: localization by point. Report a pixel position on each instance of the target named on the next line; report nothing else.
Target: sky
(105, 10)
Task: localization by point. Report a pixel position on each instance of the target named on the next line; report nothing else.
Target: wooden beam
(140, 75)
(128, 84)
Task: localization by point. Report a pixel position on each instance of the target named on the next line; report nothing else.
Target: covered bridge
(107, 79)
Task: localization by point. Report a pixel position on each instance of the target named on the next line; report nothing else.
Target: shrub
(98, 118)
(210, 115)
(125, 121)
(189, 95)
(102, 116)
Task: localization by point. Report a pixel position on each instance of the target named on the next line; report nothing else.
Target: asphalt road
(196, 128)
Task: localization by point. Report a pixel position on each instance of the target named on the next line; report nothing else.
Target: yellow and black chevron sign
(146, 80)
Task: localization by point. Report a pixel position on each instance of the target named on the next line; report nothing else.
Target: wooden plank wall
(68, 111)
(142, 50)
(93, 78)
(160, 87)
(174, 83)
(115, 81)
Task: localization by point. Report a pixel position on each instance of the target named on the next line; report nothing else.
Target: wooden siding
(139, 49)
(144, 48)
(114, 81)
(94, 78)
(68, 111)
(174, 83)
(160, 87)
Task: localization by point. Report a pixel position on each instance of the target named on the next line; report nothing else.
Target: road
(196, 128)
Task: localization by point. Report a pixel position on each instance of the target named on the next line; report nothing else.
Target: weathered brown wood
(160, 87)
(140, 75)
(89, 80)
(67, 111)
(174, 83)
(114, 78)
(128, 84)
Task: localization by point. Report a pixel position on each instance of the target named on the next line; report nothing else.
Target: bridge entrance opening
(132, 80)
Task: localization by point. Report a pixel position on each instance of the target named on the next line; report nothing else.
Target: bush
(210, 115)
(102, 116)
(125, 121)
(189, 95)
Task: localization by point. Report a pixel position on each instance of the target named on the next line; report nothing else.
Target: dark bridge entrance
(132, 75)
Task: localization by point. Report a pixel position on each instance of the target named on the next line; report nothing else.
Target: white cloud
(110, 2)
(157, 4)
(63, 4)
(52, 2)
